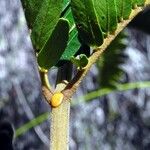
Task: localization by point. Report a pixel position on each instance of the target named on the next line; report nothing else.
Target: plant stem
(59, 130)
(44, 79)
(46, 88)
(60, 127)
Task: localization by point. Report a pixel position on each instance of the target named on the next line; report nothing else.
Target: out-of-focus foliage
(117, 120)
(110, 61)
(31, 124)
(106, 91)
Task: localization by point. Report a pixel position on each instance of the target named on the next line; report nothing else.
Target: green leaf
(72, 47)
(66, 7)
(55, 46)
(31, 124)
(80, 61)
(83, 60)
(106, 12)
(138, 2)
(66, 2)
(124, 8)
(73, 44)
(75, 61)
(105, 91)
(87, 23)
(45, 22)
(31, 8)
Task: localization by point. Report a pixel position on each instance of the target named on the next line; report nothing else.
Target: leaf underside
(31, 8)
(86, 22)
(96, 19)
(106, 12)
(124, 8)
(73, 43)
(55, 46)
(138, 2)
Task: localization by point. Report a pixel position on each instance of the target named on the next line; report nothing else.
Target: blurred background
(110, 110)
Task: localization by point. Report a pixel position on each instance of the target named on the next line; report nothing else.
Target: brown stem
(47, 94)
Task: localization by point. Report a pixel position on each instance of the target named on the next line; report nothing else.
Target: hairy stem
(60, 116)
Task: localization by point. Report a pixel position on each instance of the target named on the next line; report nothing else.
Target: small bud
(57, 99)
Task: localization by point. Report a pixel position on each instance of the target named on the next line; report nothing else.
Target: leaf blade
(73, 43)
(138, 2)
(45, 22)
(31, 8)
(106, 12)
(86, 21)
(55, 46)
(124, 8)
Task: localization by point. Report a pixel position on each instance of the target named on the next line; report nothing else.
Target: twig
(75, 82)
